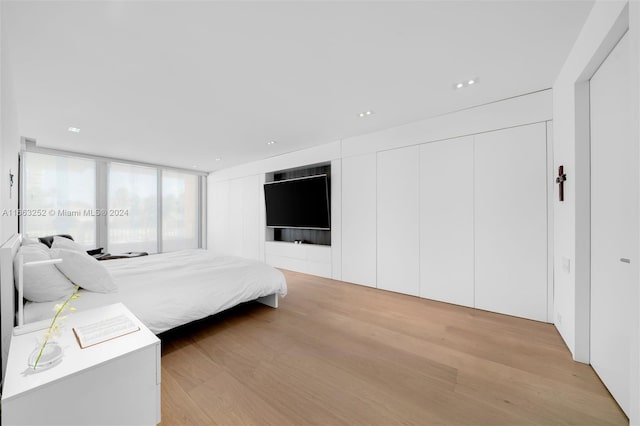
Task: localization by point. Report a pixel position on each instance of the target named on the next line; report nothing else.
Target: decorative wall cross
(10, 184)
(560, 180)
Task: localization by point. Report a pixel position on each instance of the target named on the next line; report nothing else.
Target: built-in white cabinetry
(462, 220)
(446, 221)
(236, 223)
(252, 225)
(398, 244)
(336, 219)
(311, 259)
(234, 231)
(218, 214)
(359, 219)
(511, 221)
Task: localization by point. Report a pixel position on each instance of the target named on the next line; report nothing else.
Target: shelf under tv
(312, 259)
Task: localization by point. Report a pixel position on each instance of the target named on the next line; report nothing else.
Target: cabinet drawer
(277, 248)
(317, 253)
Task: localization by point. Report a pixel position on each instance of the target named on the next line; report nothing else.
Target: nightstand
(116, 382)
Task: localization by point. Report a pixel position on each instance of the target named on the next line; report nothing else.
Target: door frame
(583, 187)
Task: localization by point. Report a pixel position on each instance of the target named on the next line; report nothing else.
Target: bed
(164, 290)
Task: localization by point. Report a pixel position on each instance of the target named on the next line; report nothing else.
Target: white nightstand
(112, 383)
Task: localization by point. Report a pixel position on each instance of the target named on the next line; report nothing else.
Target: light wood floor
(336, 353)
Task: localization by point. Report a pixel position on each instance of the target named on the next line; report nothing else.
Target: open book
(101, 331)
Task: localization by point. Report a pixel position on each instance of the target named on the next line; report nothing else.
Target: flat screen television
(298, 203)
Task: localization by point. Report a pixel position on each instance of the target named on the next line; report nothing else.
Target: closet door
(250, 214)
(398, 220)
(235, 218)
(446, 221)
(218, 214)
(511, 221)
(359, 219)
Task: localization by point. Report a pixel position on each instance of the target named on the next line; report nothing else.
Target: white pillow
(84, 270)
(65, 243)
(41, 283)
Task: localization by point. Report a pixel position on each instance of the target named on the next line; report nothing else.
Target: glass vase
(51, 356)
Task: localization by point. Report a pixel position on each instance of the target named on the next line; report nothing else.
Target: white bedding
(170, 289)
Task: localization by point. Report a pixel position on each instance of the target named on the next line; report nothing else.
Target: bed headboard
(7, 294)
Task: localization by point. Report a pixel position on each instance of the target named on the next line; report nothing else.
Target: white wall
(605, 25)
(9, 141)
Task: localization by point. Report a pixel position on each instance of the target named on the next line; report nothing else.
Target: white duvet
(171, 289)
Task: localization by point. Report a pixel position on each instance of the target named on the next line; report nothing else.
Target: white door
(614, 213)
(218, 215)
(511, 221)
(446, 221)
(359, 219)
(398, 245)
(234, 226)
(251, 224)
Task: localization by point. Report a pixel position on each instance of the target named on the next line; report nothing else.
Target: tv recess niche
(292, 234)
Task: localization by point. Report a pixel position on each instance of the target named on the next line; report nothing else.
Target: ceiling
(186, 83)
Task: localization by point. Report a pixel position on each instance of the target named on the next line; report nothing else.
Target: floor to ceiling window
(121, 206)
(179, 211)
(60, 194)
(132, 218)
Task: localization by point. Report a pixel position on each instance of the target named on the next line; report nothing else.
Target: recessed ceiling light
(271, 143)
(465, 83)
(365, 113)
(217, 159)
(74, 129)
(195, 167)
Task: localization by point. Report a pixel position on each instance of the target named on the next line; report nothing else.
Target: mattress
(171, 289)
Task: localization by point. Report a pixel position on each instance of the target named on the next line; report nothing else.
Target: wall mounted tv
(298, 203)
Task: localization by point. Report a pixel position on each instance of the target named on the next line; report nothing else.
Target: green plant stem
(53, 322)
